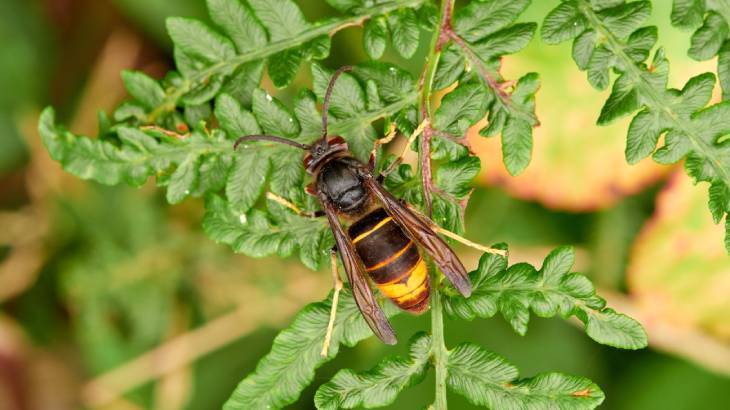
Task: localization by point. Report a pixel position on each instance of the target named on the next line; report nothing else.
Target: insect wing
(364, 297)
(420, 231)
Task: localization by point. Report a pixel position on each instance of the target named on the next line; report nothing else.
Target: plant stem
(429, 74)
(440, 354)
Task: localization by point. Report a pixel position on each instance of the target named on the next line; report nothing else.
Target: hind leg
(335, 298)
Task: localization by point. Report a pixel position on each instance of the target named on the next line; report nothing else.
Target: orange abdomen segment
(392, 260)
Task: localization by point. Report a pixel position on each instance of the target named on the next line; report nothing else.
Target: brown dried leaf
(679, 270)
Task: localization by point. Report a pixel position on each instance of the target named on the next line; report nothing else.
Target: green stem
(429, 74)
(438, 348)
(173, 94)
(653, 97)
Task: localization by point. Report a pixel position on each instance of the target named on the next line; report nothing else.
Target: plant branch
(653, 98)
(329, 28)
(438, 348)
(438, 39)
(490, 77)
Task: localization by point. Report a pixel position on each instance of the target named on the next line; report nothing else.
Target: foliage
(483, 377)
(710, 20)
(181, 130)
(281, 375)
(607, 35)
(488, 380)
(550, 291)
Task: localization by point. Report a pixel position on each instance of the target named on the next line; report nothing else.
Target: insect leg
(435, 227)
(282, 201)
(335, 299)
(469, 243)
(393, 165)
(392, 132)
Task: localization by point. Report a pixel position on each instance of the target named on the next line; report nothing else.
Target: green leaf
(583, 48)
(256, 235)
(238, 22)
(393, 82)
(375, 37)
(563, 23)
(507, 41)
(481, 18)
(348, 97)
(380, 386)
(273, 116)
(283, 67)
(450, 67)
(95, 159)
(487, 379)
(688, 14)
(719, 200)
(548, 292)
(708, 39)
(461, 108)
(182, 181)
(614, 329)
(248, 177)
(624, 100)
(282, 18)
(404, 31)
(243, 81)
(144, 89)
(516, 145)
(139, 156)
(233, 119)
(289, 367)
(643, 135)
(348, 5)
(197, 40)
(517, 131)
(454, 178)
(623, 19)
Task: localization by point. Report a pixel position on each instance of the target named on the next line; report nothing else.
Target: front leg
(282, 201)
(392, 132)
(393, 165)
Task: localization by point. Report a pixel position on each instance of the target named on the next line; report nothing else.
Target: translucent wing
(419, 229)
(364, 297)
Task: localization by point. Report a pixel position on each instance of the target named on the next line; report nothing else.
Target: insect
(384, 236)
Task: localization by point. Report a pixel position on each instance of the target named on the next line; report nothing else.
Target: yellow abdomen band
(401, 292)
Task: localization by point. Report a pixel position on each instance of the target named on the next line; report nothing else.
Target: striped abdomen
(391, 260)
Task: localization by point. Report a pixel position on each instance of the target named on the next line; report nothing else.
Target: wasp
(384, 239)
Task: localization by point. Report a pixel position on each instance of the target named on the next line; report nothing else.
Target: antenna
(328, 94)
(272, 138)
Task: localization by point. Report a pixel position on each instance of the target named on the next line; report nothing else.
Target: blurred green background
(110, 298)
